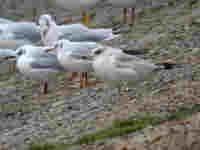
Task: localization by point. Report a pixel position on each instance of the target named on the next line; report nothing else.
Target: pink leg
(86, 79)
(81, 80)
(125, 11)
(44, 86)
(74, 74)
(133, 16)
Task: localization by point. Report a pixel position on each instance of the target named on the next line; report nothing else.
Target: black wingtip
(168, 65)
(9, 57)
(121, 28)
(134, 52)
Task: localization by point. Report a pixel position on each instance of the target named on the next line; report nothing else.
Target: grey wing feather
(28, 31)
(42, 63)
(73, 32)
(78, 32)
(70, 31)
(81, 50)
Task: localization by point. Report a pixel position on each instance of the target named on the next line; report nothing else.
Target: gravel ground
(68, 112)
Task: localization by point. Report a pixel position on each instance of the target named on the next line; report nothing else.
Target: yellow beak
(50, 49)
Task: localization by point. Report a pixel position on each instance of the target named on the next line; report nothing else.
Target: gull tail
(121, 29)
(135, 52)
(103, 34)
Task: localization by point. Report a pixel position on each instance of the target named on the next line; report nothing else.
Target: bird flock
(70, 48)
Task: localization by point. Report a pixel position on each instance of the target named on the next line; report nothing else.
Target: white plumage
(75, 56)
(114, 66)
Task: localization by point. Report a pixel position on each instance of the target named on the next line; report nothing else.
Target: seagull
(84, 5)
(114, 65)
(50, 33)
(35, 63)
(75, 57)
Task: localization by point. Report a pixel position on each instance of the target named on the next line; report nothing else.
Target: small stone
(123, 147)
(164, 107)
(188, 20)
(55, 104)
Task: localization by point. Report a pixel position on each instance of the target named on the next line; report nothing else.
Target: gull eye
(97, 52)
(20, 52)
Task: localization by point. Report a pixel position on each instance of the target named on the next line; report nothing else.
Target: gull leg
(117, 94)
(74, 74)
(133, 16)
(44, 87)
(14, 67)
(65, 80)
(124, 15)
(9, 67)
(41, 86)
(86, 79)
(85, 17)
(81, 79)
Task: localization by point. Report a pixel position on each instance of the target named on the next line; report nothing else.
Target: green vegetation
(123, 127)
(14, 18)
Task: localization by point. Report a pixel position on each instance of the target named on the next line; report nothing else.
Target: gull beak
(91, 56)
(50, 49)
